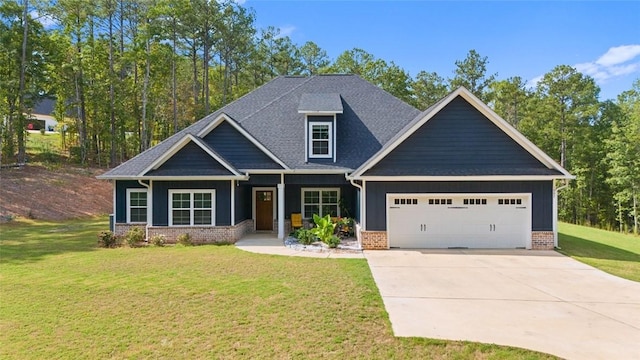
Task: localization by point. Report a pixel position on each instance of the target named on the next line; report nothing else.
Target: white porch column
(281, 209)
(233, 202)
(555, 214)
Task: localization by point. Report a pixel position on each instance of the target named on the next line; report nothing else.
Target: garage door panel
(453, 220)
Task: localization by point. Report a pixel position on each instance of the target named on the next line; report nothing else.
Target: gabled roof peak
(428, 114)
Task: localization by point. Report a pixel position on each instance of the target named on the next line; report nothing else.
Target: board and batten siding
(237, 149)
(541, 197)
(161, 199)
(121, 198)
(243, 203)
(459, 140)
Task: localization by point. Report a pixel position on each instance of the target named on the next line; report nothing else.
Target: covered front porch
(270, 199)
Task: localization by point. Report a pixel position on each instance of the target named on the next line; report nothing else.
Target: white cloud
(617, 61)
(286, 30)
(46, 20)
(624, 69)
(534, 82)
(618, 55)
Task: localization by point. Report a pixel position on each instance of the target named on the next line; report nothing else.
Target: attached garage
(482, 221)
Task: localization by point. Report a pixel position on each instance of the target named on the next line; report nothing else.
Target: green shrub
(157, 240)
(184, 240)
(304, 236)
(333, 241)
(107, 239)
(345, 226)
(324, 228)
(134, 237)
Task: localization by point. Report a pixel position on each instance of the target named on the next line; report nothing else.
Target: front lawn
(615, 253)
(64, 298)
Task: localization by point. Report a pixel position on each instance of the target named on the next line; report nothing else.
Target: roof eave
(463, 178)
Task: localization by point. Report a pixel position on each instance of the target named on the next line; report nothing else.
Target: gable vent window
(320, 139)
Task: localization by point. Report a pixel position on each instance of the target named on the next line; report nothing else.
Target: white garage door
(485, 221)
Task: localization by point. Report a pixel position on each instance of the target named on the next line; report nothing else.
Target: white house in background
(41, 115)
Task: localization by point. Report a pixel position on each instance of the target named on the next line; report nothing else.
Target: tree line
(129, 73)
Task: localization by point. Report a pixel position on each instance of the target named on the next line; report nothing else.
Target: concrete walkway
(268, 243)
(539, 300)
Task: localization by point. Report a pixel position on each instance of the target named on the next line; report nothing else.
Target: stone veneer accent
(374, 240)
(199, 234)
(542, 240)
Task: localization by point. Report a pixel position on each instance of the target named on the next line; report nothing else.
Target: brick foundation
(374, 240)
(199, 234)
(123, 229)
(542, 240)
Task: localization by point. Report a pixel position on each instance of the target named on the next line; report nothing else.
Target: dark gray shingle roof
(370, 118)
(317, 102)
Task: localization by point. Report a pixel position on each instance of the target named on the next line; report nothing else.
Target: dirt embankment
(53, 194)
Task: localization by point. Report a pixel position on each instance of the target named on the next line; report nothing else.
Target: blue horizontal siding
(458, 140)
(237, 149)
(541, 197)
(191, 160)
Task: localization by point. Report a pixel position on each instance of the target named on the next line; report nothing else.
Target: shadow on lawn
(29, 242)
(579, 247)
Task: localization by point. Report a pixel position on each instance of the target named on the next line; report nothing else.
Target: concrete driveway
(539, 300)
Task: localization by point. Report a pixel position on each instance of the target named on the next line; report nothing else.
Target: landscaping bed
(347, 245)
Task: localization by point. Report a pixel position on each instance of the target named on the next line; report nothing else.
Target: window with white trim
(192, 207)
(320, 139)
(136, 205)
(321, 201)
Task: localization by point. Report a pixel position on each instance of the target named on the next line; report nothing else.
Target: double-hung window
(136, 205)
(320, 139)
(191, 207)
(320, 201)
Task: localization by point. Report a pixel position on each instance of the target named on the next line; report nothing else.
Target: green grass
(615, 253)
(45, 149)
(62, 297)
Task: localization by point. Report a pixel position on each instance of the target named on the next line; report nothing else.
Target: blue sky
(520, 38)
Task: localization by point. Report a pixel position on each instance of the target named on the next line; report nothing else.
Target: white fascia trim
(187, 178)
(459, 178)
(511, 131)
(297, 171)
(315, 112)
(166, 156)
(382, 153)
(486, 111)
(181, 144)
(214, 155)
(224, 117)
(182, 178)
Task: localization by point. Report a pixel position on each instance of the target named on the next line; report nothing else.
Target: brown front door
(264, 210)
